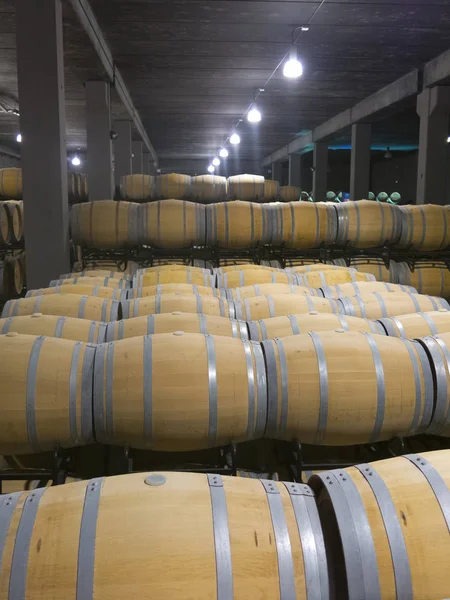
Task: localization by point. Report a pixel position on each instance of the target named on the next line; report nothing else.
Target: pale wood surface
(39, 324)
(361, 288)
(396, 303)
(306, 224)
(11, 183)
(179, 224)
(172, 288)
(370, 224)
(316, 279)
(137, 187)
(172, 185)
(60, 305)
(209, 188)
(79, 289)
(247, 277)
(272, 288)
(436, 235)
(415, 325)
(284, 304)
(112, 282)
(178, 302)
(239, 231)
(290, 193)
(246, 188)
(271, 190)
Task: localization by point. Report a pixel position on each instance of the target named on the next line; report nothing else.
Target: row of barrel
(11, 186)
(12, 276)
(350, 534)
(11, 222)
(178, 224)
(178, 390)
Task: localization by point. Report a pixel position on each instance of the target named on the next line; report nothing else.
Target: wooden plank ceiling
(192, 67)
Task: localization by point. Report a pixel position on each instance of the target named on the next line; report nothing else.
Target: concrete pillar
(360, 161)
(276, 171)
(137, 166)
(433, 107)
(122, 151)
(40, 66)
(295, 168)
(99, 144)
(320, 166)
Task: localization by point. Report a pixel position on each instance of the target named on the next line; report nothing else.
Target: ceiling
(192, 67)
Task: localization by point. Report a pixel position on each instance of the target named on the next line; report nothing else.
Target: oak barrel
(214, 393)
(15, 211)
(105, 224)
(261, 289)
(67, 328)
(65, 305)
(191, 276)
(428, 278)
(137, 187)
(235, 279)
(11, 183)
(379, 518)
(82, 290)
(120, 275)
(172, 186)
(375, 266)
(175, 288)
(167, 303)
(172, 224)
(209, 188)
(46, 393)
(424, 227)
(235, 225)
(366, 224)
(320, 279)
(290, 193)
(248, 188)
(112, 282)
(418, 324)
(303, 225)
(343, 388)
(364, 287)
(271, 190)
(279, 305)
(176, 321)
(379, 305)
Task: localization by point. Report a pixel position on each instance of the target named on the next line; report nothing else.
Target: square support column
(122, 151)
(360, 161)
(295, 169)
(99, 144)
(433, 107)
(146, 163)
(40, 67)
(138, 159)
(320, 166)
(276, 171)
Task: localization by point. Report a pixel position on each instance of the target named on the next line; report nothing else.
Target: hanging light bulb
(19, 138)
(216, 161)
(235, 139)
(76, 161)
(223, 152)
(211, 169)
(254, 116)
(293, 67)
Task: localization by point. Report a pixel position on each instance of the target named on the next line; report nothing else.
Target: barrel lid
(177, 312)
(12, 334)
(340, 330)
(178, 333)
(34, 315)
(314, 312)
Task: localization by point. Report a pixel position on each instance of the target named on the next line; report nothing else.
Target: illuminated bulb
(448, 139)
(235, 139)
(211, 169)
(19, 138)
(216, 161)
(76, 161)
(293, 67)
(254, 116)
(223, 153)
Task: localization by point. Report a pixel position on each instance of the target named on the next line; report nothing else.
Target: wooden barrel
(299, 262)
(235, 279)
(172, 186)
(366, 224)
(123, 267)
(433, 279)
(11, 278)
(438, 351)
(320, 279)
(176, 321)
(111, 282)
(290, 193)
(322, 373)
(82, 290)
(11, 183)
(375, 266)
(48, 382)
(187, 303)
(418, 324)
(247, 188)
(172, 267)
(269, 329)
(5, 225)
(271, 190)
(172, 224)
(15, 211)
(303, 225)
(378, 305)
(281, 305)
(65, 305)
(364, 287)
(209, 188)
(98, 273)
(424, 227)
(251, 291)
(105, 224)
(182, 276)
(78, 187)
(225, 400)
(375, 519)
(235, 531)
(317, 267)
(234, 225)
(137, 188)
(244, 267)
(67, 328)
(175, 288)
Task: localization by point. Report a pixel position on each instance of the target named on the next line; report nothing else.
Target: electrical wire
(260, 90)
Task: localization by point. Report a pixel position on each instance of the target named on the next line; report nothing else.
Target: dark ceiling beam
(9, 152)
(87, 19)
(399, 90)
(437, 70)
